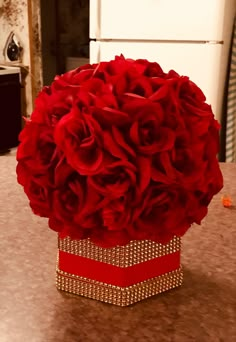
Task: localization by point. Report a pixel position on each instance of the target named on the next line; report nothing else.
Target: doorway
(64, 36)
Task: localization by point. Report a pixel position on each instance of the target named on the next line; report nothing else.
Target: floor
(203, 309)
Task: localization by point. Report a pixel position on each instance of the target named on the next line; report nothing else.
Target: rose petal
(110, 116)
(134, 133)
(87, 162)
(144, 166)
(160, 93)
(166, 163)
(118, 136)
(160, 177)
(112, 147)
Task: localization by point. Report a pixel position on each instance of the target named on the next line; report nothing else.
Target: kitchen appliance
(10, 102)
(192, 37)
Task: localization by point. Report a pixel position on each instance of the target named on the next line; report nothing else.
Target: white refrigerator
(190, 36)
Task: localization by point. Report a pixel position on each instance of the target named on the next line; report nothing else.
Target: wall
(14, 17)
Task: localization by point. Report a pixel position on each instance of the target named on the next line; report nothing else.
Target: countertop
(32, 310)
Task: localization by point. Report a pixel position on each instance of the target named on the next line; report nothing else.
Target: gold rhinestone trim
(122, 296)
(122, 256)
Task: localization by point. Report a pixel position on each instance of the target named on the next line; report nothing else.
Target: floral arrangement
(120, 151)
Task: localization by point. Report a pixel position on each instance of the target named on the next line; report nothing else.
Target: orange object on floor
(226, 201)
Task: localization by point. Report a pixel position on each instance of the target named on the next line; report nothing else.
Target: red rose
(51, 106)
(115, 179)
(67, 201)
(73, 78)
(37, 147)
(147, 132)
(153, 219)
(36, 188)
(79, 136)
(37, 158)
(55, 101)
(76, 205)
(153, 69)
(115, 214)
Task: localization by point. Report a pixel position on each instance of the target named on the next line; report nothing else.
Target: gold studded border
(122, 296)
(122, 256)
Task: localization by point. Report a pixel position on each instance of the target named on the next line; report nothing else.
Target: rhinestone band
(122, 256)
(115, 294)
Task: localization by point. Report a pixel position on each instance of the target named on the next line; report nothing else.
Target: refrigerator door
(203, 20)
(200, 62)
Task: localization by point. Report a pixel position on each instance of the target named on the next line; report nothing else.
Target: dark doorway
(65, 36)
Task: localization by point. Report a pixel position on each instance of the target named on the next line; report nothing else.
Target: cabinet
(10, 110)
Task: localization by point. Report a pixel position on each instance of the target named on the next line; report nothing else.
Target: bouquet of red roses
(120, 151)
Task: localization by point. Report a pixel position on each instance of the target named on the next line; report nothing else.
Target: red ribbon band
(114, 275)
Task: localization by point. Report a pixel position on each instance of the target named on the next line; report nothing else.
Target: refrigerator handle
(94, 52)
(94, 18)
